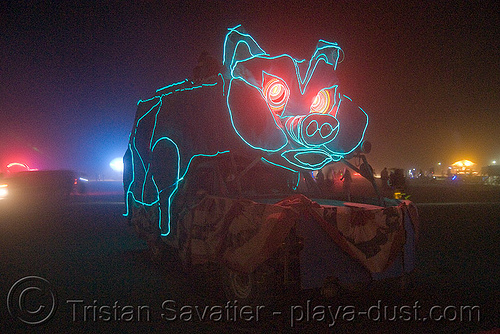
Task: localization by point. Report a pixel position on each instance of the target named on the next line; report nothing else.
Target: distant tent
(464, 167)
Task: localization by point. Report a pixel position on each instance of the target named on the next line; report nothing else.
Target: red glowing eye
(321, 102)
(276, 93)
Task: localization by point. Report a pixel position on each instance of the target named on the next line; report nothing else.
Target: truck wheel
(143, 220)
(241, 286)
(249, 288)
(156, 250)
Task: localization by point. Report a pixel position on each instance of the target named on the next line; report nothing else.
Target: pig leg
(165, 175)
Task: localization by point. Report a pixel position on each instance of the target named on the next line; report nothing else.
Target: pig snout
(313, 129)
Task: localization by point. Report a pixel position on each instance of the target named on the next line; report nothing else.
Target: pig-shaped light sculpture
(289, 112)
(296, 108)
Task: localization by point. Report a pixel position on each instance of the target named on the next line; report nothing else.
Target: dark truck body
(219, 170)
(39, 186)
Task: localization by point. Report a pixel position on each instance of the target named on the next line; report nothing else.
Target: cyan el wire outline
(302, 86)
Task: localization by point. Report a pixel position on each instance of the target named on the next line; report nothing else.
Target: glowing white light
(18, 165)
(494, 162)
(116, 164)
(3, 191)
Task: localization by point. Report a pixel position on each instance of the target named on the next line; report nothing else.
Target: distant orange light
(463, 163)
(463, 167)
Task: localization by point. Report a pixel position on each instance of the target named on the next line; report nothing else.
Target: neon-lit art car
(218, 168)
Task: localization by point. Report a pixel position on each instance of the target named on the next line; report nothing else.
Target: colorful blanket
(243, 234)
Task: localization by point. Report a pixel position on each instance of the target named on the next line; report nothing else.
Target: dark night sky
(71, 72)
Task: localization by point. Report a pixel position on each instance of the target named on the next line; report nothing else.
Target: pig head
(292, 109)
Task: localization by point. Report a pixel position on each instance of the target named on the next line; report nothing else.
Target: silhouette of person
(347, 179)
(399, 179)
(320, 180)
(384, 176)
(330, 182)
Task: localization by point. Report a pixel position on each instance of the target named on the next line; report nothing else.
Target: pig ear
(325, 51)
(239, 46)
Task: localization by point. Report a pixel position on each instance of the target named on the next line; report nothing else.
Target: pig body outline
(180, 128)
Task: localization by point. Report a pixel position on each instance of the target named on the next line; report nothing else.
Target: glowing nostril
(326, 130)
(312, 128)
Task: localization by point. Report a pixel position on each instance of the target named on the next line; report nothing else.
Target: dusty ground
(92, 261)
